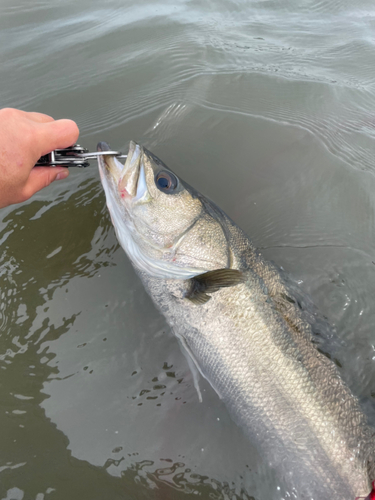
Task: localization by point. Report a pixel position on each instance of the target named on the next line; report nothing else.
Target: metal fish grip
(74, 156)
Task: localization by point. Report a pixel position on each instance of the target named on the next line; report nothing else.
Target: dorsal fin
(211, 282)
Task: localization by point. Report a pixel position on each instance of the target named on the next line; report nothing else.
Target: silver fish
(243, 327)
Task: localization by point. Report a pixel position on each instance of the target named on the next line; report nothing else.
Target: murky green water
(269, 109)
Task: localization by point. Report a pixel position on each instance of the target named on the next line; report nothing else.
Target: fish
(244, 328)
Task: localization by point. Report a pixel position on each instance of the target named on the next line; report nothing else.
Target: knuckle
(30, 141)
(48, 180)
(28, 135)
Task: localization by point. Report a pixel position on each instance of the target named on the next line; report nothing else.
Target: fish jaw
(119, 200)
(109, 166)
(130, 175)
(128, 179)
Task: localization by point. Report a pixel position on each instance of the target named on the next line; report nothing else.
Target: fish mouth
(129, 179)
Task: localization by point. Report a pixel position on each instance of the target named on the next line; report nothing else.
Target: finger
(41, 177)
(39, 117)
(31, 115)
(57, 134)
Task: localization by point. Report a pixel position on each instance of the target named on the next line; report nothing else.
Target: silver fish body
(250, 340)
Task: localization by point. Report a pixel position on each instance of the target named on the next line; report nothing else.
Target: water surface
(266, 107)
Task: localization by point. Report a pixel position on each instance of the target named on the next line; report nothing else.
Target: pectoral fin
(207, 283)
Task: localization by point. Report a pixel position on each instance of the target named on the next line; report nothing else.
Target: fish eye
(166, 182)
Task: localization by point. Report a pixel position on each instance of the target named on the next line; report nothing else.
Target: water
(268, 108)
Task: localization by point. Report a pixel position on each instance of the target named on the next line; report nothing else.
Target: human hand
(24, 138)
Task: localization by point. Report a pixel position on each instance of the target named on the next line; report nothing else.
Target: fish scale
(268, 392)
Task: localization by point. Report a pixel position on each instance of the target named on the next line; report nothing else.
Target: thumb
(41, 177)
(57, 134)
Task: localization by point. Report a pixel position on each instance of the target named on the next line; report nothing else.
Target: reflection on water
(266, 107)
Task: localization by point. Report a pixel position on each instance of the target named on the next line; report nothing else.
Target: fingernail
(62, 175)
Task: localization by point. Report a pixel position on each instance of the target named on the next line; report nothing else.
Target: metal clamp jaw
(68, 157)
(74, 156)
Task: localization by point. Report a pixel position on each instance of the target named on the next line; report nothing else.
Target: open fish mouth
(128, 179)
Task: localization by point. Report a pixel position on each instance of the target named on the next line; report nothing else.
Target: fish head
(160, 221)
